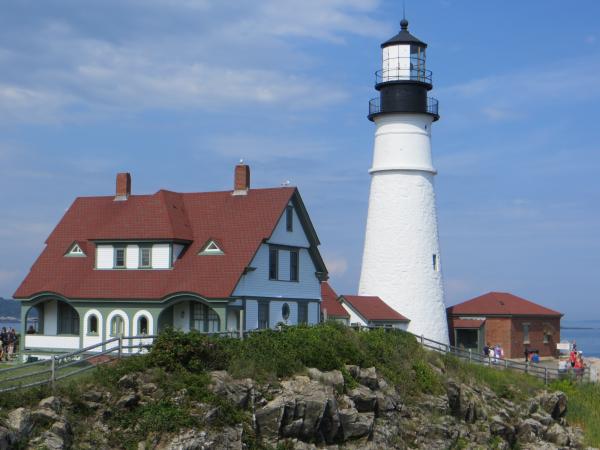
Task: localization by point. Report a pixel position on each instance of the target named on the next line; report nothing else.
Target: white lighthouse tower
(401, 259)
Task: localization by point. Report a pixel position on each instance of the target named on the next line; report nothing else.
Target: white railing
(544, 373)
(58, 367)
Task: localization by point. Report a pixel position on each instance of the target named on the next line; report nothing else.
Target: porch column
(221, 311)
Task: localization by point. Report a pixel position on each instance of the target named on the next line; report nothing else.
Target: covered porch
(50, 324)
(193, 313)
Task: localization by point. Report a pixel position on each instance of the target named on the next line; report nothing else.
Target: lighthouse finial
(404, 22)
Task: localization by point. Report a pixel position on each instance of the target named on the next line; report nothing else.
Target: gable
(296, 237)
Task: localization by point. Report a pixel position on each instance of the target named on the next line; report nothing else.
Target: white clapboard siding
(161, 256)
(132, 256)
(313, 313)
(104, 257)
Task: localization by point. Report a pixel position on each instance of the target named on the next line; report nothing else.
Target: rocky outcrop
(314, 410)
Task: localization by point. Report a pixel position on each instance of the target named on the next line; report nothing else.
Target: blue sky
(176, 92)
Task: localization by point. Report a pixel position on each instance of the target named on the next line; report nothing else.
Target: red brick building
(502, 318)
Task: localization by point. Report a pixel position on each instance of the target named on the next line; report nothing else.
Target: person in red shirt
(573, 358)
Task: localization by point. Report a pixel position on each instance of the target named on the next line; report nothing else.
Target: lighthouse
(401, 258)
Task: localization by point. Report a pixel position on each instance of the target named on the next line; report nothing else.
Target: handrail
(431, 108)
(403, 68)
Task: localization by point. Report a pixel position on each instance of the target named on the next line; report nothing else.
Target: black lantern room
(403, 81)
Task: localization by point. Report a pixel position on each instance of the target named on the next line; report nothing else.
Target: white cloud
(336, 266)
(215, 55)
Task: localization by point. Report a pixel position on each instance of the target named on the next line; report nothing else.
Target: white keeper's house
(135, 264)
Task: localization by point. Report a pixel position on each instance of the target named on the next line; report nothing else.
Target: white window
(211, 248)
(143, 325)
(119, 262)
(117, 326)
(525, 333)
(75, 250)
(145, 257)
(436, 262)
(92, 325)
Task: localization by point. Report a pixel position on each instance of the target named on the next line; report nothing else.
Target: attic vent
(75, 250)
(211, 248)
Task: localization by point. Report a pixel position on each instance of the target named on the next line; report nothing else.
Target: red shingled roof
(373, 308)
(467, 323)
(329, 302)
(240, 223)
(500, 303)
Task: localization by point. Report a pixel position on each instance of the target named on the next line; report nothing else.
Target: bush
(192, 351)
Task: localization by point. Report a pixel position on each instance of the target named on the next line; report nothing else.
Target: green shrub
(192, 351)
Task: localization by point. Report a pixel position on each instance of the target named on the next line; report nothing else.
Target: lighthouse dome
(404, 37)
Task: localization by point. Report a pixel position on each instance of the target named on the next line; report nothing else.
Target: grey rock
(268, 418)
(128, 400)
(63, 429)
(543, 418)
(20, 421)
(48, 441)
(7, 438)
(465, 403)
(44, 416)
(498, 427)
(240, 392)
(364, 398)
(333, 378)
(148, 388)
(354, 424)
(368, 377)
(52, 403)
(529, 429)
(92, 396)
(554, 403)
(129, 381)
(557, 434)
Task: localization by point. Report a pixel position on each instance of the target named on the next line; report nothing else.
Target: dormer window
(75, 250)
(119, 258)
(289, 218)
(211, 248)
(145, 257)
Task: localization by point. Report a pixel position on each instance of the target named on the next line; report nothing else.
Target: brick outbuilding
(502, 318)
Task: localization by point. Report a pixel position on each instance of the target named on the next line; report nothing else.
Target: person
(30, 330)
(535, 357)
(526, 354)
(579, 367)
(4, 338)
(486, 350)
(12, 340)
(573, 356)
(496, 353)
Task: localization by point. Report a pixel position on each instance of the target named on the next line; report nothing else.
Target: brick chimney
(123, 186)
(241, 182)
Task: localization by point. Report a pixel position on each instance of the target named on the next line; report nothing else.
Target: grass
(583, 407)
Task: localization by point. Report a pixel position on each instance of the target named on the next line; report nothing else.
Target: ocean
(585, 332)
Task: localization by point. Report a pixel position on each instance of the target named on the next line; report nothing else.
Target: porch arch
(190, 312)
(137, 325)
(116, 315)
(54, 316)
